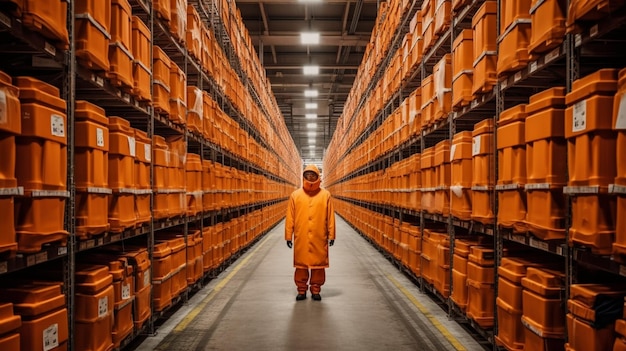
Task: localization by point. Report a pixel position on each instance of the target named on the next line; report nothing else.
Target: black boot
(316, 297)
(301, 297)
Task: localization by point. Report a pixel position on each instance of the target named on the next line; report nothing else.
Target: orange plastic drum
(93, 20)
(484, 25)
(48, 17)
(161, 80)
(548, 25)
(122, 174)
(194, 33)
(143, 159)
(91, 157)
(483, 171)
(95, 300)
(463, 74)
(140, 48)
(178, 95)
(194, 184)
(461, 177)
(195, 110)
(120, 56)
(10, 327)
(442, 176)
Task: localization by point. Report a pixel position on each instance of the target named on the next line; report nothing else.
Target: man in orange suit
(310, 229)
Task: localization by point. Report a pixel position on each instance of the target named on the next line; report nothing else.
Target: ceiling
(345, 28)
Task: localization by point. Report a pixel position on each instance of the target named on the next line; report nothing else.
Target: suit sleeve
(289, 220)
(330, 215)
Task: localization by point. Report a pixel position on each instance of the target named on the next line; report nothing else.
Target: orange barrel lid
(35, 90)
(603, 81)
(546, 282)
(483, 127)
(91, 279)
(8, 320)
(34, 298)
(553, 97)
(513, 114)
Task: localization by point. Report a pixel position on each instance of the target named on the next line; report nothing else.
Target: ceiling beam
(325, 40)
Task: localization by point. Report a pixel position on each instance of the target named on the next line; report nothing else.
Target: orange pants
(301, 277)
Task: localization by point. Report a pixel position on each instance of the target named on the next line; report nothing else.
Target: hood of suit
(311, 188)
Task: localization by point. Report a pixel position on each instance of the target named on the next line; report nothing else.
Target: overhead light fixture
(311, 70)
(310, 38)
(312, 145)
(310, 93)
(310, 105)
(311, 134)
(311, 125)
(309, 0)
(310, 115)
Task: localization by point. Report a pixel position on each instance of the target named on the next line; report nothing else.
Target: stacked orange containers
(178, 95)
(195, 267)
(162, 66)
(461, 176)
(43, 312)
(414, 249)
(509, 302)
(428, 23)
(139, 260)
(482, 171)
(193, 171)
(10, 126)
(515, 22)
(41, 166)
(484, 25)
(542, 308)
(547, 25)
(178, 22)
(161, 276)
(120, 57)
(443, 14)
(93, 20)
(176, 198)
(415, 182)
(143, 159)
(481, 286)
(591, 320)
(123, 289)
(178, 273)
(140, 48)
(9, 327)
(207, 248)
(48, 18)
(195, 110)
(512, 169)
(160, 186)
(208, 185)
(619, 124)
(95, 298)
(442, 84)
(591, 140)
(208, 111)
(462, 69)
(428, 100)
(442, 175)
(546, 164)
(122, 174)
(442, 275)
(194, 32)
(429, 180)
(91, 176)
(589, 10)
(459, 272)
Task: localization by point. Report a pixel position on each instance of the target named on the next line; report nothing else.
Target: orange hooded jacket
(310, 223)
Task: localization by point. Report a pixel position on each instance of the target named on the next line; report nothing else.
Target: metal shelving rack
(77, 83)
(559, 66)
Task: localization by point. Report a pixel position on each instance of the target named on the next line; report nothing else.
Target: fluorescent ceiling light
(309, 0)
(312, 145)
(307, 38)
(310, 115)
(310, 93)
(311, 134)
(310, 105)
(311, 125)
(311, 70)
(312, 140)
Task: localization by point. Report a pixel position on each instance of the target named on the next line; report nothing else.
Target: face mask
(311, 187)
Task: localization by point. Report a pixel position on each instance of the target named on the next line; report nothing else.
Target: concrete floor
(368, 304)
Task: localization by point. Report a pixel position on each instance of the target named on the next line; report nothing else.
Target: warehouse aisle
(367, 305)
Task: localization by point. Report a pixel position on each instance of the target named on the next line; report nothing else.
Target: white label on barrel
(51, 337)
(99, 137)
(621, 114)
(58, 126)
(452, 151)
(147, 152)
(131, 145)
(580, 116)
(125, 291)
(3, 107)
(146, 278)
(103, 307)
(476, 145)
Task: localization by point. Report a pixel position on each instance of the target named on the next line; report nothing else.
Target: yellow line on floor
(219, 286)
(457, 345)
